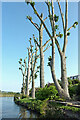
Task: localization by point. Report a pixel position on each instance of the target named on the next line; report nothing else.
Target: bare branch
(66, 24)
(69, 28)
(51, 20)
(35, 24)
(36, 41)
(46, 43)
(37, 70)
(62, 16)
(45, 18)
(58, 46)
(53, 26)
(42, 21)
(47, 48)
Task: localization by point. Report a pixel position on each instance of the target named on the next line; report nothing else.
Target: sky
(16, 31)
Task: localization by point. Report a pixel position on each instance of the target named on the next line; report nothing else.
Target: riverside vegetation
(49, 104)
(7, 94)
(44, 99)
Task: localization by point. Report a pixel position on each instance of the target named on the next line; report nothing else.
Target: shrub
(73, 90)
(78, 89)
(46, 92)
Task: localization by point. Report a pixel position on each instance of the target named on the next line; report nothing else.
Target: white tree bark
(28, 73)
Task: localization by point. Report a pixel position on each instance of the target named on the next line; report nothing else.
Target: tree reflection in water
(24, 113)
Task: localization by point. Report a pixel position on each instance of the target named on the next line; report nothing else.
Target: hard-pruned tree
(62, 90)
(23, 68)
(41, 47)
(28, 77)
(34, 67)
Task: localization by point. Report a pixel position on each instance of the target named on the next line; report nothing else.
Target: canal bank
(50, 109)
(10, 110)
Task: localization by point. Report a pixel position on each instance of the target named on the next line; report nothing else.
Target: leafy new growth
(56, 27)
(36, 75)
(50, 58)
(27, 3)
(20, 59)
(32, 3)
(19, 62)
(51, 17)
(38, 66)
(35, 11)
(29, 17)
(76, 23)
(56, 18)
(59, 35)
(68, 34)
(48, 64)
(49, 3)
(20, 69)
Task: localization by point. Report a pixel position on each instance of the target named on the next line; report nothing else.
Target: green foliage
(19, 62)
(20, 69)
(56, 18)
(56, 27)
(76, 23)
(32, 3)
(59, 35)
(68, 34)
(20, 59)
(29, 17)
(78, 91)
(48, 64)
(38, 66)
(24, 96)
(36, 75)
(46, 92)
(35, 11)
(73, 90)
(49, 58)
(31, 50)
(49, 3)
(50, 17)
(27, 3)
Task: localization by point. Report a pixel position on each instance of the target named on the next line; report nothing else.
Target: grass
(6, 95)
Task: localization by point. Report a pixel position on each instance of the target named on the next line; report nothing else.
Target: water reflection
(24, 113)
(11, 110)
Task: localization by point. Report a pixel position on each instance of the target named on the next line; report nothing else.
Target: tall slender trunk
(33, 86)
(58, 87)
(42, 84)
(23, 86)
(41, 68)
(28, 73)
(64, 76)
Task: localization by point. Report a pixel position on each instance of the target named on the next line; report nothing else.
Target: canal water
(8, 109)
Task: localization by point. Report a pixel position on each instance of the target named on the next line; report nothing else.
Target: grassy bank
(49, 109)
(7, 94)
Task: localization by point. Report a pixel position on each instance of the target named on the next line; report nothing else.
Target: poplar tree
(23, 68)
(34, 67)
(41, 47)
(62, 90)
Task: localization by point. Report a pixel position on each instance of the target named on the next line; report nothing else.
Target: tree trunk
(28, 73)
(41, 55)
(63, 91)
(23, 86)
(41, 68)
(64, 76)
(33, 87)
